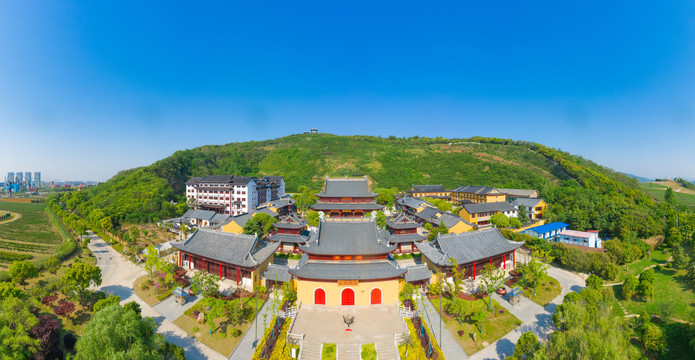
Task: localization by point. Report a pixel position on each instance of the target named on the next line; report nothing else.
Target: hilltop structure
(477, 194)
(430, 191)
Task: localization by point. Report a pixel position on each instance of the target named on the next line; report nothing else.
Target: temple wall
(389, 291)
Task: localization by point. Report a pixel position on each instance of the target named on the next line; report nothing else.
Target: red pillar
(514, 255)
(505, 261)
(180, 260)
(237, 276)
(203, 264)
(189, 261)
(473, 271)
(220, 264)
(490, 263)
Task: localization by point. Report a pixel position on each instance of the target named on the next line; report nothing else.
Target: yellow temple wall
(389, 291)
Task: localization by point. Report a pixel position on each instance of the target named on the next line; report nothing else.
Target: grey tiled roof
(199, 214)
(219, 219)
(528, 202)
(427, 188)
(403, 238)
(347, 238)
(502, 206)
(467, 247)
(289, 225)
(193, 180)
(402, 222)
(277, 273)
(410, 202)
(347, 270)
(520, 192)
(235, 249)
(480, 190)
(450, 220)
(290, 238)
(418, 273)
(347, 188)
(346, 206)
(428, 213)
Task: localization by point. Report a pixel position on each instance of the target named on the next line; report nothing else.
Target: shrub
(144, 286)
(223, 335)
(196, 329)
(64, 308)
(461, 332)
(195, 314)
(658, 267)
(236, 332)
(49, 299)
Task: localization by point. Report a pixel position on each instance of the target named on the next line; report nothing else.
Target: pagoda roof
(347, 187)
(337, 237)
(501, 206)
(401, 221)
(479, 190)
(277, 273)
(346, 270)
(290, 238)
(418, 273)
(402, 238)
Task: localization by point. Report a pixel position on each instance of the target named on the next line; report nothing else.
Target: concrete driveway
(535, 318)
(118, 276)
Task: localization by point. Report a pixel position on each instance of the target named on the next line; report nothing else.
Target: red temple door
(319, 297)
(347, 297)
(376, 296)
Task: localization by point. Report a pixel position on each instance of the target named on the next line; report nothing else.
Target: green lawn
(672, 294)
(148, 292)
(222, 339)
(329, 352)
(495, 327)
(546, 290)
(368, 352)
(657, 257)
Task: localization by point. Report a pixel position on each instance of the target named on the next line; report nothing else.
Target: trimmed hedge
(280, 350)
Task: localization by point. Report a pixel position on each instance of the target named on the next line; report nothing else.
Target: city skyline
(93, 89)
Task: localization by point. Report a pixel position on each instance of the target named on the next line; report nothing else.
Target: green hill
(582, 193)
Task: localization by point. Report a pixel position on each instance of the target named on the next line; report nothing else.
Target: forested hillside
(582, 193)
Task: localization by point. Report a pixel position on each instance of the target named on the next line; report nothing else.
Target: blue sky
(88, 89)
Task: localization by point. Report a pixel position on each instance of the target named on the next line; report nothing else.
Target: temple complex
(347, 264)
(403, 234)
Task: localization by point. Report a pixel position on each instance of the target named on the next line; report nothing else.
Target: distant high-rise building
(37, 178)
(10, 177)
(18, 176)
(27, 178)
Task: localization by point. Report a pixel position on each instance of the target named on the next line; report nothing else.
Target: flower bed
(274, 343)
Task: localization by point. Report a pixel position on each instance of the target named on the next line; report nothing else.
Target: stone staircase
(310, 351)
(386, 350)
(350, 352)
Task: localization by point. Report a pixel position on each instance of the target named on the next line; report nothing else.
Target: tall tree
(79, 277)
(526, 346)
(20, 271)
(16, 322)
(116, 333)
(493, 279)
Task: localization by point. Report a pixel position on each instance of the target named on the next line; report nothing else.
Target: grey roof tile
(347, 270)
(347, 187)
(235, 249)
(418, 273)
(277, 273)
(347, 238)
(467, 247)
(501, 206)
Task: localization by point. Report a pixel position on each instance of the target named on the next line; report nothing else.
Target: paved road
(118, 276)
(534, 317)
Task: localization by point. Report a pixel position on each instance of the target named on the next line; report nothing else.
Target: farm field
(32, 236)
(684, 197)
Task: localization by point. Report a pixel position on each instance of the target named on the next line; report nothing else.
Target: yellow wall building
(477, 194)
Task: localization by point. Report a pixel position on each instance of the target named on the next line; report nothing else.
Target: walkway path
(534, 317)
(118, 275)
(450, 347)
(246, 347)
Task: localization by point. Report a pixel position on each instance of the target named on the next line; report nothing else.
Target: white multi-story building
(583, 238)
(232, 195)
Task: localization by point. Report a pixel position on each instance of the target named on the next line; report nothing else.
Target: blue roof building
(547, 231)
